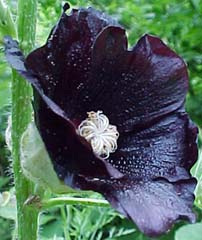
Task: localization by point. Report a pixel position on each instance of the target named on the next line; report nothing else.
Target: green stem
(27, 15)
(65, 222)
(68, 220)
(73, 200)
(27, 218)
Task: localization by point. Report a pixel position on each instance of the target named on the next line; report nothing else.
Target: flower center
(99, 133)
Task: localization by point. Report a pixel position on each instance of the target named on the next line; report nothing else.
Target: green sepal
(36, 164)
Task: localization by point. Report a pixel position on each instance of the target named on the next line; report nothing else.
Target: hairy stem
(27, 218)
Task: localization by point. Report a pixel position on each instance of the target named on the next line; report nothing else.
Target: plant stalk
(73, 200)
(27, 218)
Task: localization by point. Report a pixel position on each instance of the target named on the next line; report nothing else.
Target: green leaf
(53, 228)
(5, 93)
(5, 229)
(197, 173)
(3, 181)
(8, 205)
(7, 25)
(189, 232)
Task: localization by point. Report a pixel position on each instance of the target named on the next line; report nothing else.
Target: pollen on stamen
(99, 133)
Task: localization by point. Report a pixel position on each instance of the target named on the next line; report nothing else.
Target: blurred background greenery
(179, 24)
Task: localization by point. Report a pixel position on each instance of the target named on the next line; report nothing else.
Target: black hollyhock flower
(113, 119)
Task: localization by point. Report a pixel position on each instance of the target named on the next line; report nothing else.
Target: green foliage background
(179, 24)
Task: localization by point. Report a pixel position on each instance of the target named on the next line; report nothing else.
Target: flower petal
(85, 65)
(142, 85)
(166, 149)
(157, 189)
(154, 206)
(70, 153)
(63, 63)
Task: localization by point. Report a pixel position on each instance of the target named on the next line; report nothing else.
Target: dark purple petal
(154, 206)
(166, 149)
(83, 69)
(63, 64)
(157, 188)
(70, 153)
(142, 85)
